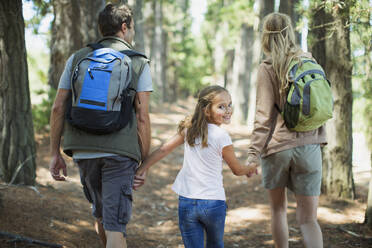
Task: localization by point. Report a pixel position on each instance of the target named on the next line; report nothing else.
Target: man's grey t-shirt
(144, 84)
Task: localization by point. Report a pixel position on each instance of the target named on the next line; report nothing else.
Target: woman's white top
(201, 173)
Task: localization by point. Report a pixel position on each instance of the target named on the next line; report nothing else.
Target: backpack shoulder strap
(95, 46)
(132, 53)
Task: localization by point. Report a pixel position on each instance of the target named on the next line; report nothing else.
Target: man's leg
(306, 215)
(100, 231)
(90, 176)
(117, 181)
(279, 225)
(115, 240)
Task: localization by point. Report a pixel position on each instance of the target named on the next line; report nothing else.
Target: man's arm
(143, 122)
(56, 128)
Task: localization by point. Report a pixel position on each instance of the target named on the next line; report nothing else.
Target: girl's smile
(220, 110)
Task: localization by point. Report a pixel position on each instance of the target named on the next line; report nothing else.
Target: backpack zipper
(76, 71)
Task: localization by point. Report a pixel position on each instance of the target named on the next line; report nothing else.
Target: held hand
(139, 179)
(56, 164)
(252, 169)
(253, 162)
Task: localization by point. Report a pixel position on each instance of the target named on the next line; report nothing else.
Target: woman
(289, 159)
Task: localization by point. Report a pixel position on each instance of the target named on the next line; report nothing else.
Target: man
(107, 163)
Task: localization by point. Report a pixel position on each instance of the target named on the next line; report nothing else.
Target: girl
(202, 205)
(289, 159)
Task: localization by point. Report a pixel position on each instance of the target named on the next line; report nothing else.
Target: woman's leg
(306, 215)
(279, 225)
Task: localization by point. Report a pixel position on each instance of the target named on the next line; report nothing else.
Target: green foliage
(194, 69)
(360, 36)
(41, 96)
(233, 13)
(42, 8)
(41, 112)
(188, 63)
(360, 25)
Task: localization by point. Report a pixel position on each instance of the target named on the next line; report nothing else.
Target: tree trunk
(368, 120)
(368, 215)
(219, 54)
(17, 144)
(158, 52)
(330, 45)
(265, 7)
(75, 25)
(139, 37)
(240, 87)
(288, 7)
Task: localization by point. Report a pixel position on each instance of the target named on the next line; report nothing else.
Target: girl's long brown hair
(278, 40)
(197, 124)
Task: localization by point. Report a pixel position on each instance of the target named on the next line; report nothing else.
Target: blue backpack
(102, 90)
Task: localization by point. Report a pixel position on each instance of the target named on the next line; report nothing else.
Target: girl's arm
(160, 153)
(228, 155)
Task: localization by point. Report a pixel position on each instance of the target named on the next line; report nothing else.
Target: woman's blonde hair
(278, 40)
(197, 124)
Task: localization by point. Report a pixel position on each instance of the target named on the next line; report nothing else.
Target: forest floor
(57, 212)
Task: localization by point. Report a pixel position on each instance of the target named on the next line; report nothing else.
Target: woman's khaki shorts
(299, 169)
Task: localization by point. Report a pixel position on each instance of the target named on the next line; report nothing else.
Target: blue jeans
(196, 216)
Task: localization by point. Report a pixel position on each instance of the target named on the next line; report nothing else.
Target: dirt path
(57, 212)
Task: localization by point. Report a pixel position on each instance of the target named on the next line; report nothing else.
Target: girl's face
(221, 110)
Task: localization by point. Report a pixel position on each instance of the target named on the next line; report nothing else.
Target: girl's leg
(192, 230)
(306, 215)
(279, 225)
(214, 215)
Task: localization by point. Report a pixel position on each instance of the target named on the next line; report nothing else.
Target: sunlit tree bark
(75, 25)
(288, 7)
(368, 214)
(264, 7)
(329, 43)
(158, 52)
(17, 144)
(240, 87)
(139, 38)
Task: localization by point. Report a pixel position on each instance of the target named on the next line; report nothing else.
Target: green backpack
(309, 102)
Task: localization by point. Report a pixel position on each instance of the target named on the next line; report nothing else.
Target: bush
(41, 112)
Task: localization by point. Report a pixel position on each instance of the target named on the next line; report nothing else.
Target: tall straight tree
(179, 44)
(288, 7)
(329, 43)
(158, 51)
(240, 86)
(263, 8)
(17, 144)
(74, 26)
(139, 37)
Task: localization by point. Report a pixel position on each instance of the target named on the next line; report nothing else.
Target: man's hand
(139, 180)
(56, 164)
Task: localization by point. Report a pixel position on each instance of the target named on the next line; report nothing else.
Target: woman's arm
(228, 155)
(160, 153)
(265, 115)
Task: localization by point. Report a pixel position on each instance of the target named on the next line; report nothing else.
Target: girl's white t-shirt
(201, 173)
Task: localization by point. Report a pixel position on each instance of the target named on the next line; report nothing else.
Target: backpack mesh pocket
(291, 114)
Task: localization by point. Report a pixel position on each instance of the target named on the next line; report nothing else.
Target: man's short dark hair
(112, 17)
